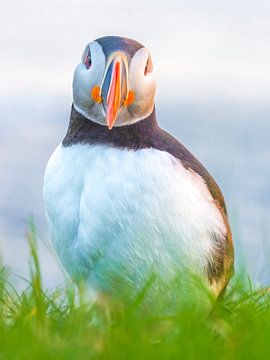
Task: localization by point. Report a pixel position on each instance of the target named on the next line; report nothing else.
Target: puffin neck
(136, 136)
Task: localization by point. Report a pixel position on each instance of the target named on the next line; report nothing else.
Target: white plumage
(142, 210)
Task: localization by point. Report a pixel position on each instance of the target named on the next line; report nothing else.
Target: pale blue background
(212, 63)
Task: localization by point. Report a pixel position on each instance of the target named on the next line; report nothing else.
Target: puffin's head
(114, 83)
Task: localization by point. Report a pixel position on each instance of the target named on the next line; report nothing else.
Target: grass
(62, 324)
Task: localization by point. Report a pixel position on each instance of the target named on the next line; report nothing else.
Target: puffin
(125, 199)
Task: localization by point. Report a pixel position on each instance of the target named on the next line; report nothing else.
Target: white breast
(115, 211)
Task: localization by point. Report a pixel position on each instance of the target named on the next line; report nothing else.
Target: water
(230, 138)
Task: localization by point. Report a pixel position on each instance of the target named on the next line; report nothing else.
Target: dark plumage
(113, 43)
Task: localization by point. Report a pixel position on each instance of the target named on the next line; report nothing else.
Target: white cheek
(85, 79)
(143, 85)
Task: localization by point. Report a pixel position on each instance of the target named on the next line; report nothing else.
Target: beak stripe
(114, 95)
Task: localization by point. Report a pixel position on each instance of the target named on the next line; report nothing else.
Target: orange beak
(114, 92)
(114, 88)
(114, 95)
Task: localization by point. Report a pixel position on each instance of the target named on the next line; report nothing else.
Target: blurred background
(212, 63)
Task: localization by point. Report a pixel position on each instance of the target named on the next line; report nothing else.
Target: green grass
(62, 324)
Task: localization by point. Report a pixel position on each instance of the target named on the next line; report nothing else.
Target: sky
(211, 61)
(201, 49)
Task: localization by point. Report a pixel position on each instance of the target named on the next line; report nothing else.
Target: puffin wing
(220, 270)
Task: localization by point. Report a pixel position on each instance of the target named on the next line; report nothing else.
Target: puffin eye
(87, 60)
(149, 66)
